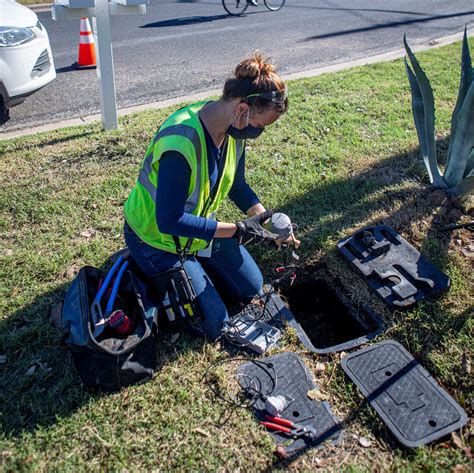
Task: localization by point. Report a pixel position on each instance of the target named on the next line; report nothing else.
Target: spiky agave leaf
(423, 112)
(465, 83)
(466, 76)
(418, 114)
(462, 141)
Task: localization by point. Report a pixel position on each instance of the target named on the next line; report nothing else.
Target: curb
(42, 7)
(384, 57)
(39, 7)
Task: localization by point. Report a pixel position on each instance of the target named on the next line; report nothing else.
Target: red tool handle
(272, 426)
(280, 421)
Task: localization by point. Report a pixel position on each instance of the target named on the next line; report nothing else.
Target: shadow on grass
(383, 195)
(25, 144)
(388, 193)
(65, 139)
(37, 380)
(351, 204)
(364, 412)
(39, 383)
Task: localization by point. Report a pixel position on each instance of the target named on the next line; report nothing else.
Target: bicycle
(239, 7)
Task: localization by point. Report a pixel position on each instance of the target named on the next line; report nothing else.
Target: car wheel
(4, 112)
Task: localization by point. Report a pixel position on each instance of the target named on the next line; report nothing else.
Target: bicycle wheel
(235, 7)
(274, 5)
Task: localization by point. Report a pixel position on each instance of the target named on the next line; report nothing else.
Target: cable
(257, 392)
(234, 331)
(231, 336)
(246, 314)
(247, 389)
(267, 298)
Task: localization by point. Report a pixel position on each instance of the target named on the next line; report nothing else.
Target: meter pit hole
(325, 313)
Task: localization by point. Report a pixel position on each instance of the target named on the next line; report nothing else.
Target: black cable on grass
(255, 391)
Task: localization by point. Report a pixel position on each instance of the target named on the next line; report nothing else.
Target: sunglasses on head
(277, 97)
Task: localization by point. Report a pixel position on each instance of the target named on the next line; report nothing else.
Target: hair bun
(254, 67)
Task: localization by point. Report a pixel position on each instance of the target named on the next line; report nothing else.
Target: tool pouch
(108, 362)
(174, 289)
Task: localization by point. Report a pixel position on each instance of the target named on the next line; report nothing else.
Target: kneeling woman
(195, 160)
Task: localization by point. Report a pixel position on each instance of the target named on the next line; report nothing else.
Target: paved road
(188, 47)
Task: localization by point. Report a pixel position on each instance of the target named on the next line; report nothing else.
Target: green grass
(345, 155)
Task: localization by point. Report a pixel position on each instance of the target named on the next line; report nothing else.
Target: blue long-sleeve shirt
(174, 175)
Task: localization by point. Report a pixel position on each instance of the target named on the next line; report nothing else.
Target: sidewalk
(388, 56)
(42, 7)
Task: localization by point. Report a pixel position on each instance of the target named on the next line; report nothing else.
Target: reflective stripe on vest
(187, 132)
(239, 147)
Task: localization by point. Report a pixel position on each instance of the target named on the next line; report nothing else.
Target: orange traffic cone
(86, 56)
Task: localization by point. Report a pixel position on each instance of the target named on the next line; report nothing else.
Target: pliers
(287, 427)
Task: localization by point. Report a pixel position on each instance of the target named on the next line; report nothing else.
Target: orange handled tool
(286, 426)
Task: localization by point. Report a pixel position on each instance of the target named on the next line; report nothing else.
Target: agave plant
(458, 176)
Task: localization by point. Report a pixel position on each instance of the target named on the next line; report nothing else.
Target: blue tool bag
(109, 327)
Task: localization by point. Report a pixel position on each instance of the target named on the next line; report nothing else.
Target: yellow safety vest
(181, 132)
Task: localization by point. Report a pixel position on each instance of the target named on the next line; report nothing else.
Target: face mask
(249, 132)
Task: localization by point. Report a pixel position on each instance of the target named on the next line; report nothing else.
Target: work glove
(251, 230)
(282, 225)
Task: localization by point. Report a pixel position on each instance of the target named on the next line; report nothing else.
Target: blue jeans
(230, 274)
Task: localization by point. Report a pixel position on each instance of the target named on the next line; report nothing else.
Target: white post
(105, 65)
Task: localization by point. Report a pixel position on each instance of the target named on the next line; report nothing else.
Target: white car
(26, 61)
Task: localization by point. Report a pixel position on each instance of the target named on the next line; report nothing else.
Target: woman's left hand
(251, 230)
